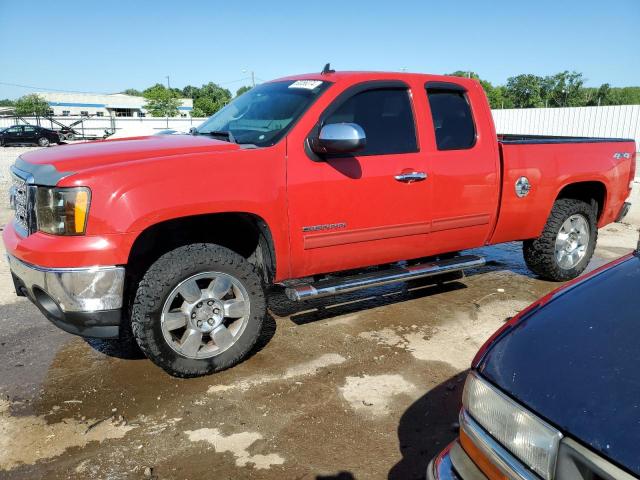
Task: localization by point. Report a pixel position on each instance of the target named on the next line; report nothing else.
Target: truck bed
(550, 163)
(510, 138)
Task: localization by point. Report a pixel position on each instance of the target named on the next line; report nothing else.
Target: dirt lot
(366, 386)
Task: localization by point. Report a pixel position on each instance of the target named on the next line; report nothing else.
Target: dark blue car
(555, 393)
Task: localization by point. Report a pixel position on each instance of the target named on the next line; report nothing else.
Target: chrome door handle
(411, 177)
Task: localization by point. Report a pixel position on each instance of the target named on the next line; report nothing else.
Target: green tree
(563, 89)
(597, 96)
(625, 96)
(190, 91)
(210, 98)
(196, 112)
(524, 91)
(495, 95)
(133, 92)
(161, 102)
(242, 90)
(32, 104)
(498, 98)
(7, 103)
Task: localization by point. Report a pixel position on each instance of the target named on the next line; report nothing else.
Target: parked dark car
(28, 134)
(555, 393)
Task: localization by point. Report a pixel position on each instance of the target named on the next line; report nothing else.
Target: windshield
(265, 113)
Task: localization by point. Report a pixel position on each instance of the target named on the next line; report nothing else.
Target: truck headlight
(62, 211)
(528, 437)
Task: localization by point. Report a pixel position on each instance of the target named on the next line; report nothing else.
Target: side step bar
(325, 288)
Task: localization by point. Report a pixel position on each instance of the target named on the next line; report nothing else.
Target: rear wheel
(199, 309)
(567, 242)
(43, 142)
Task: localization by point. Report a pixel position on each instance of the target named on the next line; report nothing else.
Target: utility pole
(168, 88)
(253, 77)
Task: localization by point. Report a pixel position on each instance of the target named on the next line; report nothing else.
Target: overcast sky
(107, 46)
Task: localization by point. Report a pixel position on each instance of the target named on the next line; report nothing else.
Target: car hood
(83, 156)
(575, 362)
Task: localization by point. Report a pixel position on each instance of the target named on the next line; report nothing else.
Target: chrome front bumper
(83, 301)
(453, 464)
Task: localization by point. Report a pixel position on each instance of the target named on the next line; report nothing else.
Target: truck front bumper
(84, 301)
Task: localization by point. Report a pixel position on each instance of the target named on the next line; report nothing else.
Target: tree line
(564, 89)
(207, 99)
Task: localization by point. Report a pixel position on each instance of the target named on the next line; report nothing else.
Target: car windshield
(264, 114)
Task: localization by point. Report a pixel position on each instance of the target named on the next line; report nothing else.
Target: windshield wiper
(226, 135)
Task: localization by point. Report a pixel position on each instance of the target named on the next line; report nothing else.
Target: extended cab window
(452, 119)
(386, 117)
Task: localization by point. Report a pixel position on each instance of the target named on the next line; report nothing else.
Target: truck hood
(71, 159)
(575, 362)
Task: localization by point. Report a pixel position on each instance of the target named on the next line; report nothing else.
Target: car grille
(20, 202)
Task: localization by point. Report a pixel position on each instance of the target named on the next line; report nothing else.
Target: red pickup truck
(173, 239)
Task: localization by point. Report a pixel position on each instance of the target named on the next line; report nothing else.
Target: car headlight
(62, 211)
(525, 435)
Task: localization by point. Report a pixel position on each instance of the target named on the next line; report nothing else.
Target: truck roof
(363, 76)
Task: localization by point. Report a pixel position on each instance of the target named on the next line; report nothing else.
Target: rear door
(31, 133)
(464, 166)
(357, 210)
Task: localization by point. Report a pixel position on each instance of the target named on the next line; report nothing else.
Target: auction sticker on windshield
(308, 84)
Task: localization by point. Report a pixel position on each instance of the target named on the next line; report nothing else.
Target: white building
(115, 105)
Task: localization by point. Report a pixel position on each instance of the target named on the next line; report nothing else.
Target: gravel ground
(360, 386)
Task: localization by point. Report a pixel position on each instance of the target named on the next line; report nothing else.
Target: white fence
(620, 121)
(615, 121)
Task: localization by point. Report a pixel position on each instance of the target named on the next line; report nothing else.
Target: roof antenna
(327, 70)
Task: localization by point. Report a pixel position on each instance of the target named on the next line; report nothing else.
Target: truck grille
(20, 202)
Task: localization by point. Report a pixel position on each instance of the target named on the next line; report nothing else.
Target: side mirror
(193, 130)
(339, 138)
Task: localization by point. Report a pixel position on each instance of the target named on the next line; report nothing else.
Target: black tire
(539, 254)
(43, 142)
(163, 276)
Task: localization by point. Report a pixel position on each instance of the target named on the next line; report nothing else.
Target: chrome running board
(336, 286)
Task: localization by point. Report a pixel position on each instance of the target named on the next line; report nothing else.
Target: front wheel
(199, 309)
(567, 242)
(43, 142)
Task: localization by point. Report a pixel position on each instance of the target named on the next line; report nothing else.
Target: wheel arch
(593, 192)
(245, 233)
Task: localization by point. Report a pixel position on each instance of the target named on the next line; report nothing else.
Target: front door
(367, 208)
(13, 134)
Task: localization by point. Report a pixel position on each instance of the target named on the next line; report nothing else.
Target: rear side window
(386, 117)
(452, 119)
